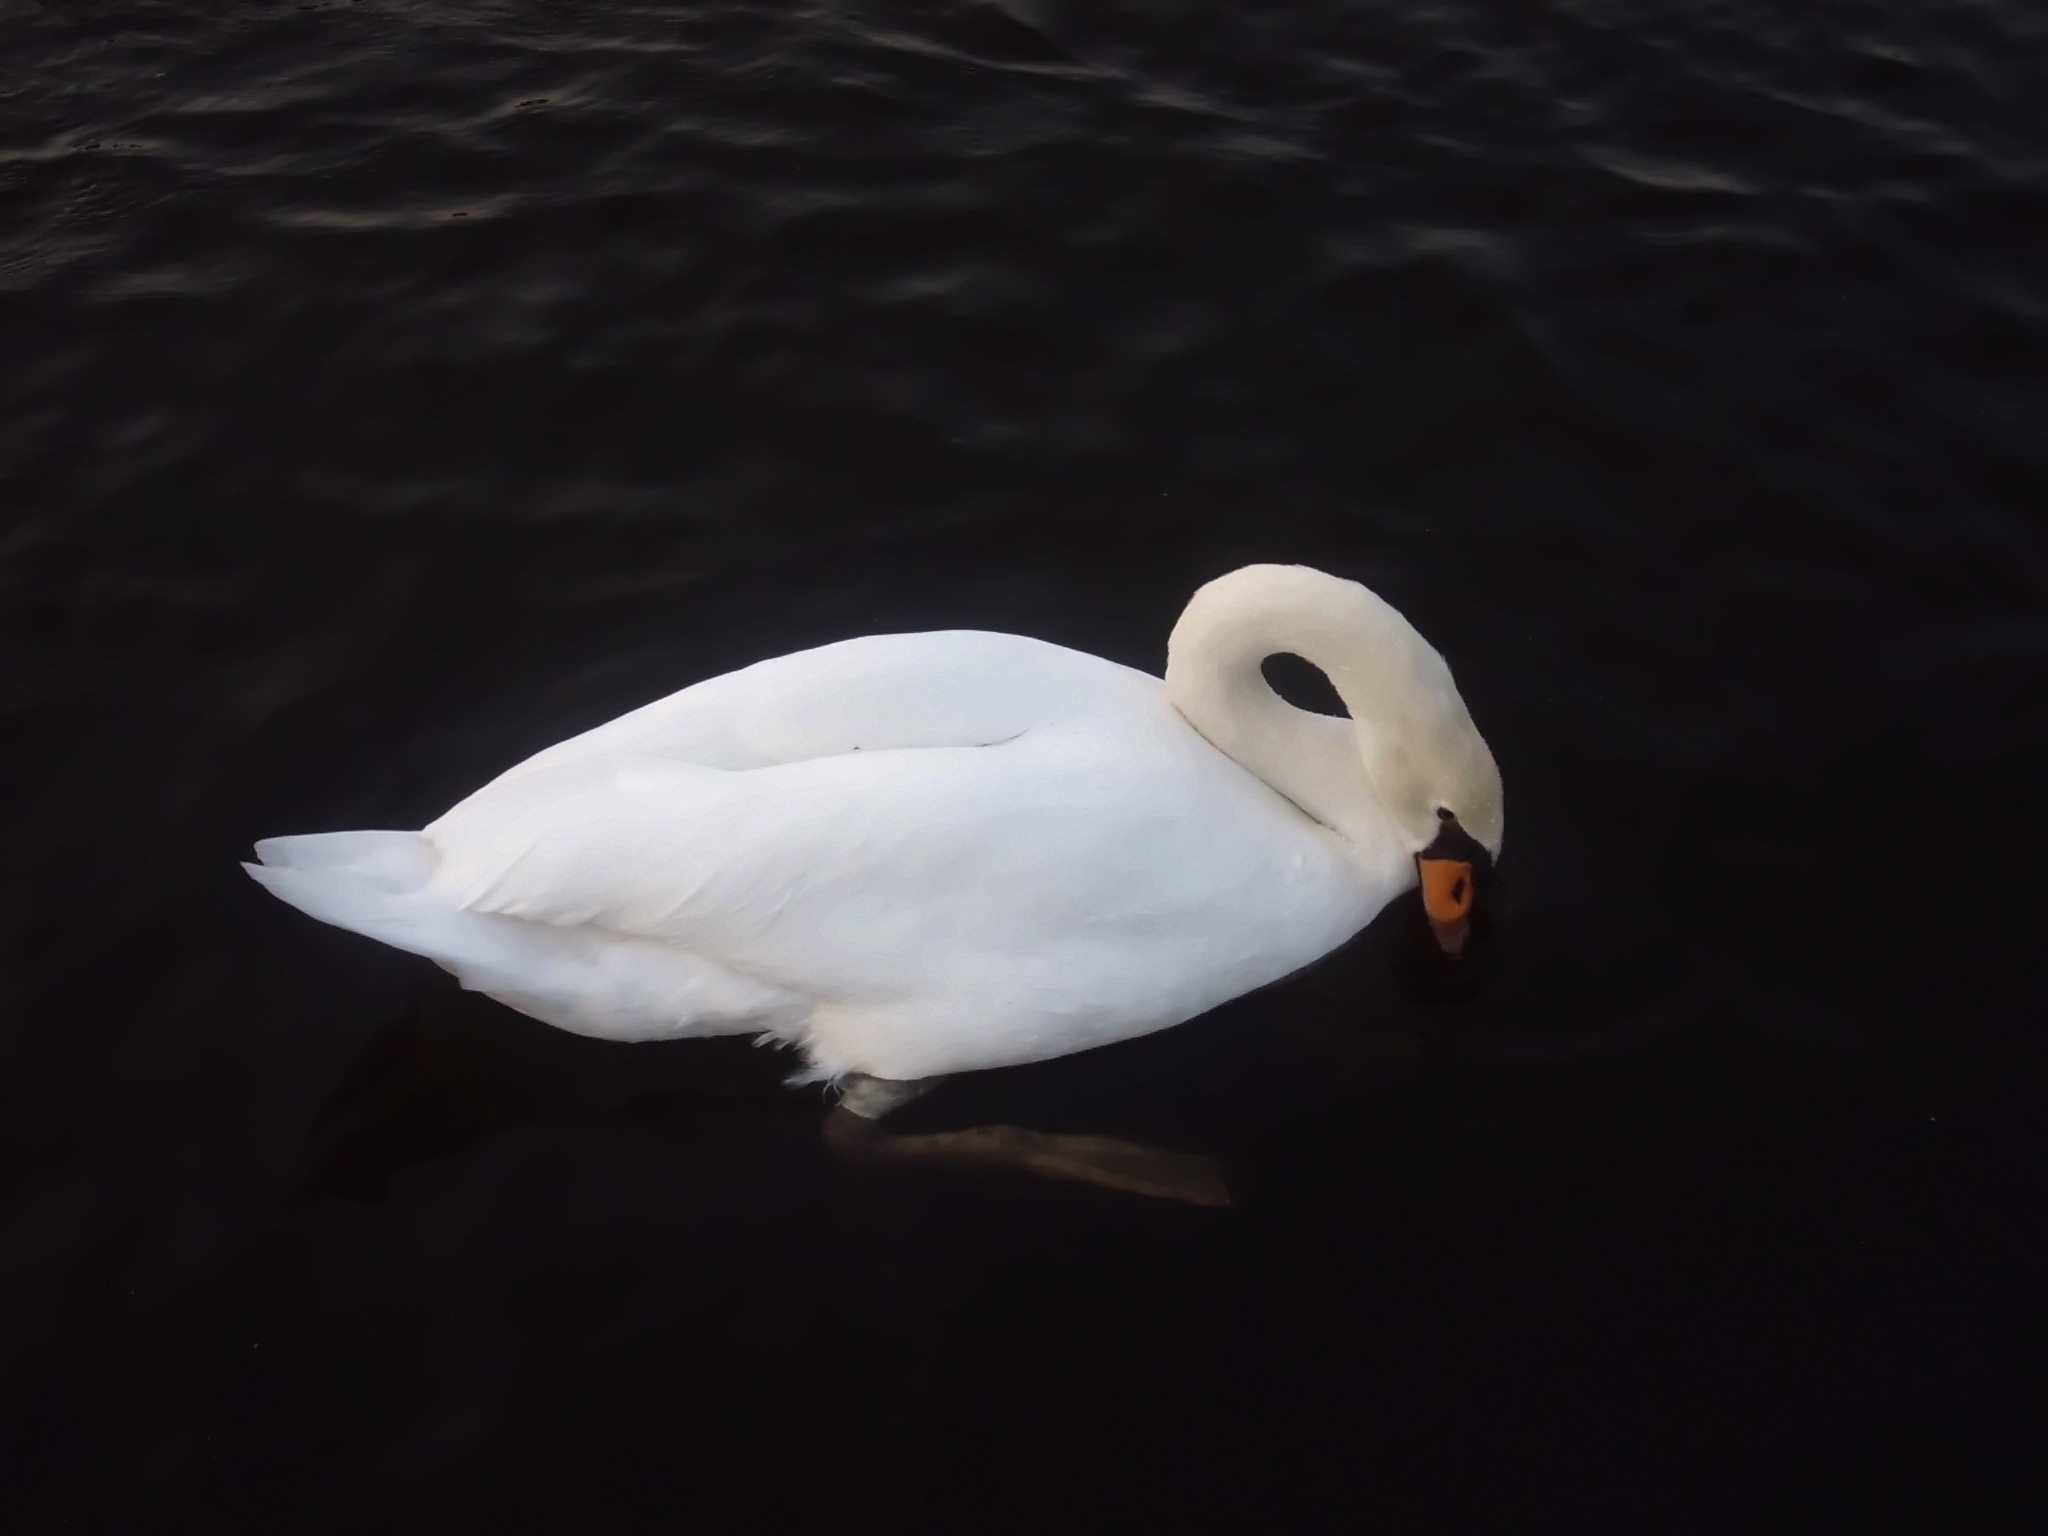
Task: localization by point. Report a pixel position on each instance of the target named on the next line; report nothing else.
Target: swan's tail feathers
(396, 861)
(615, 987)
(375, 884)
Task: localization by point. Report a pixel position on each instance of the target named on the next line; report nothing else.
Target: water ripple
(1025, 232)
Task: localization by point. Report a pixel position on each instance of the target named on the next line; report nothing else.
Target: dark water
(391, 389)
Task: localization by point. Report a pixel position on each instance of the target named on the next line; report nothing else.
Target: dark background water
(391, 389)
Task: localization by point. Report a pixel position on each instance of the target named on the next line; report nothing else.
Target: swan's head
(1433, 775)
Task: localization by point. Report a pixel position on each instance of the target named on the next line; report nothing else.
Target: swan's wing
(860, 876)
(714, 858)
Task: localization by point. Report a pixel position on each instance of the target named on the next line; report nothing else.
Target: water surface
(392, 389)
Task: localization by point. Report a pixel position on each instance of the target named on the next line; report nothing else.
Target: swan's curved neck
(1214, 678)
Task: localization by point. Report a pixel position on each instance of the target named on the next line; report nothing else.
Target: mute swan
(916, 855)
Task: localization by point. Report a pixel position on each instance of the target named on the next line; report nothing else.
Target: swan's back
(943, 688)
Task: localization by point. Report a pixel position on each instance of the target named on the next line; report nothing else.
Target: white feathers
(390, 860)
(907, 854)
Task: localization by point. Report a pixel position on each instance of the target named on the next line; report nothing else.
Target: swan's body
(913, 855)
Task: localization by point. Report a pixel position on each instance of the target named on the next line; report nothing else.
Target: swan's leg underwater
(853, 1130)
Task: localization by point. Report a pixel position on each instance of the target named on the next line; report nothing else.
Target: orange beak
(1447, 898)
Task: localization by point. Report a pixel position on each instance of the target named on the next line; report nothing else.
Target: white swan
(915, 855)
